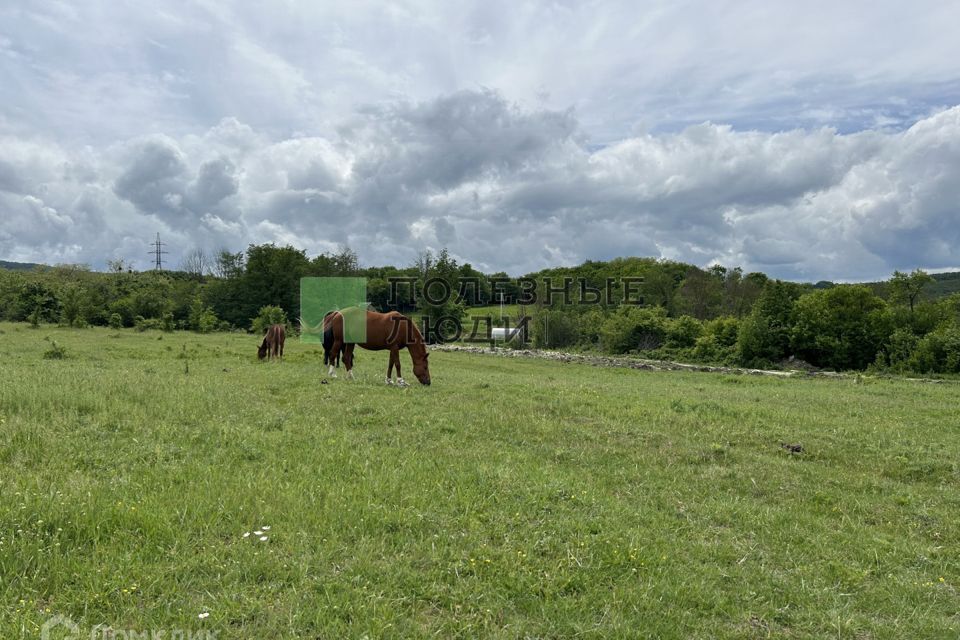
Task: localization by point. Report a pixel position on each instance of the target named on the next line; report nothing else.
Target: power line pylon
(157, 252)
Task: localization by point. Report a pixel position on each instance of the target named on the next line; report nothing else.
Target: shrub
(124, 308)
(724, 330)
(55, 352)
(202, 318)
(764, 335)
(74, 308)
(634, 329)
(683, 332)
(938, 352)
(899, 349)
(267, 317)
(167, 323)
(145, 324)
(116, 321)
(208, 321)
(589, 325)
(708, 349)
(554, 329)
(841, 328)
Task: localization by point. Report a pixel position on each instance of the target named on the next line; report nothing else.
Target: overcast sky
(814, 142)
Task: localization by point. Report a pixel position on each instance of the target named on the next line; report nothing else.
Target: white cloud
(519, 135)
(525, 193)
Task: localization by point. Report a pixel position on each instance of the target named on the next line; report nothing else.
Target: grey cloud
(506, 187)
(442, 143)
(215, 181)
(154, 179)
(9, 180)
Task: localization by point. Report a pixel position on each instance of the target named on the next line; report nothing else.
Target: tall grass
(511, 498)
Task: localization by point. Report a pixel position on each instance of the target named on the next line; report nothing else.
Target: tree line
(714, 315)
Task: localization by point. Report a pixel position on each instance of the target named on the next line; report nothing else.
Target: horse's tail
(328, 356)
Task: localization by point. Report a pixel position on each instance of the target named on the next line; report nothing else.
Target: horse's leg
(335, 349)
(348, 360)
(390, 364)
(396, 357)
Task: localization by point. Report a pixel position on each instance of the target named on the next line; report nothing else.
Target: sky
(813, 141)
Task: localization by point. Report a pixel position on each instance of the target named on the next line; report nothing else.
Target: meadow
(158, 481)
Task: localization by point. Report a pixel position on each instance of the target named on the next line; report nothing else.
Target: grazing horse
(272, 345)
(393, 331)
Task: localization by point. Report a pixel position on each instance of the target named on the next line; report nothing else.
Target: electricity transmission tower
(157, 252)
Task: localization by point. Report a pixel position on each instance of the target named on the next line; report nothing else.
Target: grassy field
(512, 498)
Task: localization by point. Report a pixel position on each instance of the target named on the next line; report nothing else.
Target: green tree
(683, 332)
(701, 293)
(73, 310)
(842, 328)
(632, 328)
(906, 288)
(764, 336)
(553, 329)
(437, 297)
(267, 317)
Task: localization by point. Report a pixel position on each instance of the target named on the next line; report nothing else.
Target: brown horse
(393, 331)
(272, 345)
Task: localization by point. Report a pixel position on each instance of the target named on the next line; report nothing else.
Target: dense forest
(656, 308)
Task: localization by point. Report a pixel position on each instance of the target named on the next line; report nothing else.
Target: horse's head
(262, 351)
(421, 368)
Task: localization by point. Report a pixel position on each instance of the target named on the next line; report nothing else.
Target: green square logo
(320, 296)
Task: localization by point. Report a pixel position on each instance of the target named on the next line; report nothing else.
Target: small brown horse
(272, 345)
(393, 331)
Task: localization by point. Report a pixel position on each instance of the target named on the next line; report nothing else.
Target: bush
(145, 324)
(764, 336)
(683, 332)
(899, 349)
(116, 321)
(938, 352)
(267, 317)
(841, 328)
(74, 308)
(124, 308)
(724, 330)
(55, 352)
(634, 329)
(208, 321)
(589, 325)
(553, 329)
(202, 318)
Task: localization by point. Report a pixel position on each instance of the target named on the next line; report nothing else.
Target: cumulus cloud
(518, 135)
(505, 188)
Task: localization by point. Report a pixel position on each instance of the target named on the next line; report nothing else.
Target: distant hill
(18, 266)
(943, 285)
(946, 284)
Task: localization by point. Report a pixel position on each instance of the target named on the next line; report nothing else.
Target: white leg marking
(332, 372)
(389, 381)
(401, 382)
(350, 374)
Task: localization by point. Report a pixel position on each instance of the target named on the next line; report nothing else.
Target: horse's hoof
(402, 383)
(389, 381)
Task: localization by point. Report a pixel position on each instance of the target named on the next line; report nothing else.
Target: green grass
(493, 311)
(512, 498)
